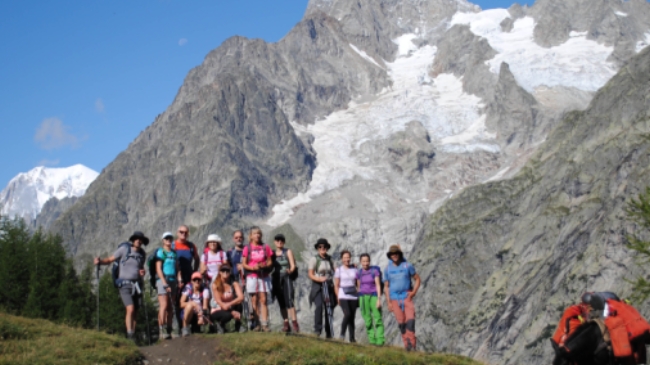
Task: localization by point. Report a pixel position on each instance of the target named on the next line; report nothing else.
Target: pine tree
(76, 302)
(111, 309)
(638, 210)
(14, 268)
(48, 261)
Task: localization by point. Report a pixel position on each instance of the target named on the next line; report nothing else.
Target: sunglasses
(225, 270)
(239, 238)
(182, 232)
(322, 248)
(196, 279)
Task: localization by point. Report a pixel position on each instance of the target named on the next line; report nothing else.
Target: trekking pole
(328, 306)
(97, 276)
(146, 314)
(246, 308)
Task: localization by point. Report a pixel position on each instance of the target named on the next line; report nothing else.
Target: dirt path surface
(193, 350)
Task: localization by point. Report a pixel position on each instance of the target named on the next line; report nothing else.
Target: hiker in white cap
(213, 257)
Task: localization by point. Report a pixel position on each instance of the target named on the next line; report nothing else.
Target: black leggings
(349, 307)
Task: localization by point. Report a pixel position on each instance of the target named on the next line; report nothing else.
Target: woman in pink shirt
(256, 259)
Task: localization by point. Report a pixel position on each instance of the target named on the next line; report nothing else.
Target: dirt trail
(193, 350)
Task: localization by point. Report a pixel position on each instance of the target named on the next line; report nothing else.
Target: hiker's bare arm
(197, 260)
(203, 268)
(239, 292)
(244, 262)
(337, 282)
(184, 302)
(206, 303)
(106, 261)
(416, 286)
(292, 261)
(268, 261)
(378, 287)
(315, 278)
(387, 292)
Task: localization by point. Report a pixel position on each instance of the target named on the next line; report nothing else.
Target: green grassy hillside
(262, 348)
(36, 341)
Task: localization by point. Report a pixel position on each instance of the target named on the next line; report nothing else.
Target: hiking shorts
(258, 285)
(129, 297)
(173, 285)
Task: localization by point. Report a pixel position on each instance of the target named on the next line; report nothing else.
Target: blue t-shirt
(399, 279)
(168, 260)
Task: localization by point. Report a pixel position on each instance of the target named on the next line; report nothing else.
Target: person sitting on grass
(194, 302)
(228, 295)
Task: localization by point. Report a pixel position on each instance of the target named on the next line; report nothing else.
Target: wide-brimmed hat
(137, 235)
(322, 241)
(167, 234)
(394, 249)
(213, 238)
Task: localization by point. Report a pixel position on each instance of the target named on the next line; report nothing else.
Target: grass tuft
(278, 349)
(37, 341)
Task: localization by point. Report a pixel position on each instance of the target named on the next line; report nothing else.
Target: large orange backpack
(627, 329)
(573, 317)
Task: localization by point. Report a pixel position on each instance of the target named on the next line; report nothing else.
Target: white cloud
(52, 134)
(99, 105)
(47, 162)
(182, 42)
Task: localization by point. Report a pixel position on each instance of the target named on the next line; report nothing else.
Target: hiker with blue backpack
(284, 274)
(370, 287)
(345, 285)
(257, 261)
(165, 276)
(399, 292)
(128, 271)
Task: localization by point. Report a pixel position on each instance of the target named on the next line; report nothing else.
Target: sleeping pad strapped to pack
(628, 330)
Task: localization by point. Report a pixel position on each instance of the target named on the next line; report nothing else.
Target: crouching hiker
(127, 275)
(166, 282)
(369, 283)
(321, 271)
(228, 295)
(400, 292)
(194, 303)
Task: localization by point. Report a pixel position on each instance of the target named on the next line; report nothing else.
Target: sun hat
(167, 234)
(137, 235)
(322, 241)
(197, 275)
(213, 238)
(395, 249)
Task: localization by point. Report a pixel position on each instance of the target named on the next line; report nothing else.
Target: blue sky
(81, 79)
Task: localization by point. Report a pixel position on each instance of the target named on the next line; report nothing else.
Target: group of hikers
(214, 286)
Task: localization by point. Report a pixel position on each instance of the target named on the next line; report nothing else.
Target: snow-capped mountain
(26, 193)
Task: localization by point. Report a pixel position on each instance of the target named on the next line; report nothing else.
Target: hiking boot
(409, 347)
(342, 338)
(266, 329)
(285, 327)
(164, 333)
(296, 328)
(185, 331)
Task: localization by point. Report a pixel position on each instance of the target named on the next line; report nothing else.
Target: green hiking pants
(372, 316)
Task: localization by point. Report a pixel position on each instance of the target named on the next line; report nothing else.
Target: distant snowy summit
(26, 193)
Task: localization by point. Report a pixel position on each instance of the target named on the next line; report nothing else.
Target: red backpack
(573, 317)
(625, 325)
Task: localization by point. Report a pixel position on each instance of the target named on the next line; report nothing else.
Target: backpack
(151, 264)
(224, 256)
(625, 324)
(294, 275)
(115, 270)
(377, 272)
(572, 318)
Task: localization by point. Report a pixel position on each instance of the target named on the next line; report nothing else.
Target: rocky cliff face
(368, 117)
(502, 260)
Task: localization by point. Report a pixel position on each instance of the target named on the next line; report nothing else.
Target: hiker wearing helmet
(194, 303)
(284, 273)
(257, 261)
(321, 271)
(228, 296)
(400, 292)
(213, 257)
(131, 258)
(168, 276)
(369, 283)
(345, 285)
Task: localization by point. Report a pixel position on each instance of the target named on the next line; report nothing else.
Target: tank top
(282, 262)
(227, 296)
